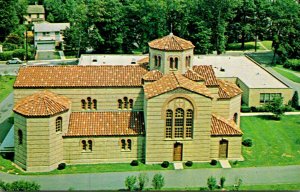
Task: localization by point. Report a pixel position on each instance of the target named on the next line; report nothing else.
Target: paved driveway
(173, 178)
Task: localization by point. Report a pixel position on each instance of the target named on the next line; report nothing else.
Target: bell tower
(171, 54)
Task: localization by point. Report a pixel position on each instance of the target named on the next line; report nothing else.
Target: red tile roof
(222, 127)
(171, 43)
(106, 123)
(79, 76)
(192, 75)
(42, 104)
(208, 73)
(228, 89)
(173, 81)
(153, 75)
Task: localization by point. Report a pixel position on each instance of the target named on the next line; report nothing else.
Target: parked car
(14, 61)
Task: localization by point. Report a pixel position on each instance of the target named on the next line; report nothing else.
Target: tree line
(124, 26)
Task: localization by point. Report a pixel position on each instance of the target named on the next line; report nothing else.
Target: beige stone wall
(245, 89)
(107, 98)
(159, 148)
(165, 55)
(105, 150)
(254, 94)
(234, 147)
(20, 150)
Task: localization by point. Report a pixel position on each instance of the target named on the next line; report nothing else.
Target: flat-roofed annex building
(171, 111)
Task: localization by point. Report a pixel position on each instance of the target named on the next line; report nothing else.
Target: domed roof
(171, 43)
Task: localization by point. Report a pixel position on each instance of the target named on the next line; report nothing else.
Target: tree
(276, 107)
(211, 183)
(143, 179)
(158, 181)
(295, 100)
(222, 182)
(130, 182)
(8, 17)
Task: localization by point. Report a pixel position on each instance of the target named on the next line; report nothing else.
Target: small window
(169, 123)
(155, 61)
(83, 142)
(176, 63)
(83, 104)
(120, 104)
(129, 144)
(171, 63)
(89, 102)
(130, 103)
(123, 144)
(20, 137)
(94, 104)
(90, 142)
(125, 103)
(159, 61)
(58, 124)
(235, 117)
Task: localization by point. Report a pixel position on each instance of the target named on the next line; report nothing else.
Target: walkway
(173, 178)
(267, 113)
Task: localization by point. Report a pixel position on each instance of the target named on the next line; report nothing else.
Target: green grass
(7, 166)
(287, 74)
(274, 142)
(263, 57)
(71, 57)
(201, 165)
(249, 46)
(48, 55)
(267, 44)
(6, 86)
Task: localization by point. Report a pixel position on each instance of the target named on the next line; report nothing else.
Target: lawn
(262, 57)
(274, 142)
(267, 44)
(248, 46)
(287, 74)
(6, 86)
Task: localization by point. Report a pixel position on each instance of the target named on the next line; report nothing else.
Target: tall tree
(8, 18)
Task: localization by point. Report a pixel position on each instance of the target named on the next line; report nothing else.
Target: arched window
(120, 103)
(235, 117)
(179, 123)
(188, 61)
(159, 61)
(123, 144)
(83, 104)
(94, 104)
(58, 124)
(176, 63)
(90, 142)
(125, 103)
(83, 142)
(189, 123)
(128, 144)
(20, 137)
(155, 61)
(89, 101)
(171, 63)
(130, 103)
(169, 123)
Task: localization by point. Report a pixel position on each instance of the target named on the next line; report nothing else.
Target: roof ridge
(226, 122)
(177, 80)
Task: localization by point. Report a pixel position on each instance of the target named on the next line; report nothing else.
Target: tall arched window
(90, 142)
(155, 61)
(94, 104)
(83, 104)
(235, 117)
(189, 123)
(120, 103)
(171, 63)
(129, 144)
(83, 142)
(123, 144)
(130, 103)
(176, 63)
(188, 61)
(20, 137)
(58, 124)
(179, 123)
(159, 61)
(169, 123)
(89, 102)
(125, 103)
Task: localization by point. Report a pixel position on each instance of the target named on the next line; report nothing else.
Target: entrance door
(177, 152)
(223, 150)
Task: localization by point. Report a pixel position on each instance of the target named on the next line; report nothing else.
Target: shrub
(6, 55)
(247, 142)
(286, 65)
(189, 163)
(297, 141)
(222, 182)
(214, 162)
(253, 109)
(294, 64)
(245, 109)
(158, 181)
(165, 164)
(211, 183)
(19, 186)
(61, 166)
(295, 100)
(130, 182)
(287, 108)
(143, 180)
(134, 163)
(20, 53)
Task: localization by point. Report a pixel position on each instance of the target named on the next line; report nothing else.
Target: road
(173, 178)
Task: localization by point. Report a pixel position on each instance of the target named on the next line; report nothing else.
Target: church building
(169, 110)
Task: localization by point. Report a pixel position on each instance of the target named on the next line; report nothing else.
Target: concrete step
(225, 164)
(178, 166)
